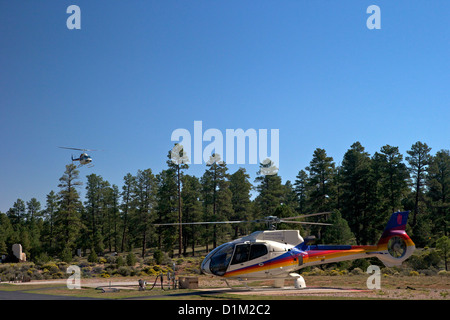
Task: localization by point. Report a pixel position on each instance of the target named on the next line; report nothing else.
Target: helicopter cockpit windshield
(220, 259)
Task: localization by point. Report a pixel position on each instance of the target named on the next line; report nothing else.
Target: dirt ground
(318, 287)
(349, 287)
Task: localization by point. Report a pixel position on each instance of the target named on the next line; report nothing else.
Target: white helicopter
(84, 158)
(278, 254)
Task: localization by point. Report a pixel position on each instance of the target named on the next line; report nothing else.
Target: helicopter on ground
(278, 254)
(84, 158)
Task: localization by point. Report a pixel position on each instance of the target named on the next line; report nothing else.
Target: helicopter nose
(205, 266)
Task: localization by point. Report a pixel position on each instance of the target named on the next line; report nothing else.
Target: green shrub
(131, 259)
(124, 271)
(443, 273)
(66, 255)
(158, 256)
(120, 262)
(317, 272)
(105, 274)
(357, 271)
(93, 258)
(43, 258)
(157, 268)
(334, 273)
(424, 260)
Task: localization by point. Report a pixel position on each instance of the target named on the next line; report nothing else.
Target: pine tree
(339, 232)
(6, 232)
(392, 178)
(358, 192)
(270, 190)
(321, 191)
(128, 185)
(17, 214)
(94, 210)
(167, 209)
(33, 209)
(240, 187)
(113, 216)
(289, 196)
(145, 200)
(67, 219)
(178, 161)
(300, 188)
(220, 196)
(192, 210)
(207, 201)
(418, 159)
(438, 182)
(49, 218)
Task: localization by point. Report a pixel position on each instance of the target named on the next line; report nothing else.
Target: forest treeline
(361, 193)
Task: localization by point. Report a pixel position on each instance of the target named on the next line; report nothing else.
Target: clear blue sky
(137, 70)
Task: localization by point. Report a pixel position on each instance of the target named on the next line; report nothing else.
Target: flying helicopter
(279, 254)
(84, 158)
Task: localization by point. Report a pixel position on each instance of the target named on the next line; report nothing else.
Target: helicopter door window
(241, 253)
(258, 250)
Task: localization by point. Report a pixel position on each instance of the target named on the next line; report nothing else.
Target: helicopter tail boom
(393, 247)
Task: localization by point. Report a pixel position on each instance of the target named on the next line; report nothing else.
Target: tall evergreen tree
(67, 219)
(111, 221)
(33, 209)
(392, 178)
(300, 188)
(418, 159)
(94, 210)
(220, 196)
(438, 182)
(17, 214)
(240, 187)
(167, 208)
(270, 190)
(145, 196)
(6, 233)
(207, 200)
(178, 161)
(192, 210)
(358, 193)
(49, 220)
(321, 191)
(129, 182)
(339, 232)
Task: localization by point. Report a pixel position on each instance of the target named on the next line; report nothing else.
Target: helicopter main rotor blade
(304, 222)
(78, 149)
(193, 223)
(306, 215)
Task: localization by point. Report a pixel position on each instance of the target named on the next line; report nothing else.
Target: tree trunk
(180, 232)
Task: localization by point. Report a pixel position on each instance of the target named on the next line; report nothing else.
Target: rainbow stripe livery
(279, 253)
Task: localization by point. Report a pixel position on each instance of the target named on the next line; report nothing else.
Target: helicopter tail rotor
(395, 245)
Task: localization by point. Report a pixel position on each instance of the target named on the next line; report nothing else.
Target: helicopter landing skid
(299, 283)
(237, 288)
(85, 165)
